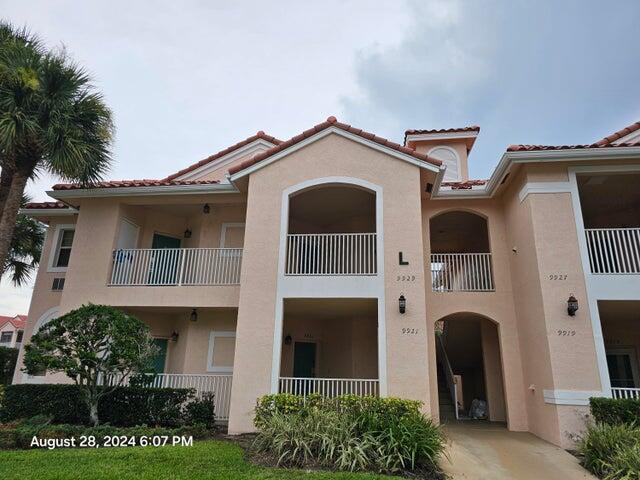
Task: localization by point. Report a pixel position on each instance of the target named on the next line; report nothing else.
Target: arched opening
(470, 381)
(332, 231)
(460, 252)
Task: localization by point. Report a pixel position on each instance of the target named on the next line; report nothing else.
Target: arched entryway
(469, 369)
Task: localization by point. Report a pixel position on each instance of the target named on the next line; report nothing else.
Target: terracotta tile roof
(471, 128)
(332, 122)
(467, 185)
(133, 183)
(19, 321)
(226, 151)
(531, 148)
(619, 134)
(45, 205)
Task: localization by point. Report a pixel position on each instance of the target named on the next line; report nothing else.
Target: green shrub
(8, 358)
(609, 451)
(348, 433)
(125, 406)
(202, 411)
(615, 411)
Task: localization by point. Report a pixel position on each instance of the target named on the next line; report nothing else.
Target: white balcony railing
(329, 387)
(625, 392)
(614, 250)
(331, 254)
(461, 272)
(219, 385)
(176, 266)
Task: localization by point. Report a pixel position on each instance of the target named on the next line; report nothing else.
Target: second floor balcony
(614, 250)
(176, 266)
(460, 255)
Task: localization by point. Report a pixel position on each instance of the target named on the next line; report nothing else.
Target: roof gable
(319, 131)
(248, 147)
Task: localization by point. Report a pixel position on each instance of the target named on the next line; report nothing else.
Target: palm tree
(25, 250)
(51, 119)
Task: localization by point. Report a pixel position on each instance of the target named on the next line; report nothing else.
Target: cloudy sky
(186, 79)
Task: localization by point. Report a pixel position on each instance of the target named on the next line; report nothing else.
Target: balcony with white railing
(176, 266)
(329, 387)
(331, 254)
(614, 251)
(625, 393)
(461, 272)
(219, 385)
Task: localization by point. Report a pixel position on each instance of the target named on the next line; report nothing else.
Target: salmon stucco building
(341, 262)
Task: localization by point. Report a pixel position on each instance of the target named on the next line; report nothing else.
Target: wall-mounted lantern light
(174, 336)
(194, 315)
(572, 305)
(287, 340)
(187, 233)
(402, 304)
(206, 209)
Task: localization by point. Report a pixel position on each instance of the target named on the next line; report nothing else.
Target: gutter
(534, 156)
(143, 191)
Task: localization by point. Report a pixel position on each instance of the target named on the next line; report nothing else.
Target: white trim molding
(257, 146)
(349, 287)
(209, 188)
(49, 212)
(212, 338)
(55, 247)
(417, 137)
(543, 187)
(570, 397)
(323, 133)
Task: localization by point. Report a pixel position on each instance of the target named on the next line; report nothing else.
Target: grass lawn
(206, 459)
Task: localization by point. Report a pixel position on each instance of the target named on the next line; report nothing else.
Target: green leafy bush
(8, 358)
(125, 406)
(615, 411)
(611, 452)
(348, 433)
(202, 411)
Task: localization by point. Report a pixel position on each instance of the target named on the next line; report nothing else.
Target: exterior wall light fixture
(572, 305)
(194, 315)
(174, 336)
(187, 233)
(402, 304)
(287, 340)
(206, 209)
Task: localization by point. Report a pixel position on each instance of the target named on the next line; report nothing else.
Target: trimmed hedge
(286, 403)
(617, 411)
(124, 407)
(8, 359)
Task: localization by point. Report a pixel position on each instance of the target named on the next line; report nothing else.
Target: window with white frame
(222, 347)
(61, 247)
(5, 337)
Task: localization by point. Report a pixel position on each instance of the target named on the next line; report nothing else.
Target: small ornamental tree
(91, 344)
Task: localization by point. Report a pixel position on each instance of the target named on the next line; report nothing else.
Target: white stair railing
(614, 250)
(617, 392)
(448, 373)
(461, 272)
(176, 266)
(219, 385)
(331, 254)
(329, 387)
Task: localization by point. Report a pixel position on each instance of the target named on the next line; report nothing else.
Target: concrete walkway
(490, 452)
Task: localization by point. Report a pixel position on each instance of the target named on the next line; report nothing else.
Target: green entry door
(304, 360)
(164, 264)
(161, 356)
